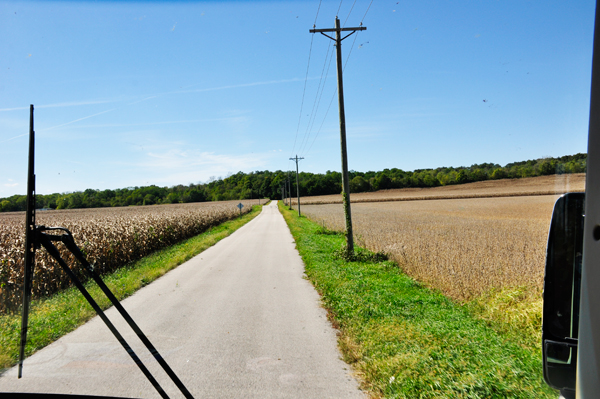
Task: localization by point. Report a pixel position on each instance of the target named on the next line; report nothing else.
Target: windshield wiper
(37, 236)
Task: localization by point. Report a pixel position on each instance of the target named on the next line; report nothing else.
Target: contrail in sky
(154, 123)
(67, 104)
(91, 102)
(12, 138)
(144, 99)
(77, 120)
(270, 82)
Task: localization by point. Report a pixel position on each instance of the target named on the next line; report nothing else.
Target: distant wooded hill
(268, 184)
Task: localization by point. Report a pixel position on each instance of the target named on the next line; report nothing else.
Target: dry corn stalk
(110, 238)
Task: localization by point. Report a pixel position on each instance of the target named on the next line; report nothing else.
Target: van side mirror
(562, 287)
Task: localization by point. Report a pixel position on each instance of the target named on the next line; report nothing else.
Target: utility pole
(345, 180)
(297, 182)
(289, 190)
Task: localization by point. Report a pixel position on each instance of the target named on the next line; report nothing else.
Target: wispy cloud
(155, 123)
(227, 87)
(177, 166)
(186, 90)
(178, 159)
(65, 104)
(11, 183)
(144, 99)
(15, 137)
(77, 120)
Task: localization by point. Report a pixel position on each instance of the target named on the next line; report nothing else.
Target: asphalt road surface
(237, 321)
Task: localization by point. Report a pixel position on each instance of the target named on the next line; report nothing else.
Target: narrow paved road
(237, 321)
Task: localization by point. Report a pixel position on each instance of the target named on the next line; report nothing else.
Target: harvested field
(110, 237)
(463, 247)
(542, 185)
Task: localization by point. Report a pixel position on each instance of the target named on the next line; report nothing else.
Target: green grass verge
(406, 341)
(51, 318)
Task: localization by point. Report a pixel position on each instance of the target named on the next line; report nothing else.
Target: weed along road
(237, 321)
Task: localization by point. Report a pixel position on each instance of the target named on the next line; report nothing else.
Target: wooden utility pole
(345, 180)
(289, 182)
(297, 182)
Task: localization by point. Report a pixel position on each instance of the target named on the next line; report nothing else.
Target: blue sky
(135, 93)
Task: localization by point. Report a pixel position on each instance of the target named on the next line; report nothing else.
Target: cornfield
(463, 247)
(110, 238)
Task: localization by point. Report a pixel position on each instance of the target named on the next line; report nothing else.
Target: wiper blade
(37, 236)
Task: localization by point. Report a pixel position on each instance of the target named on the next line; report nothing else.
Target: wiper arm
(36, 236)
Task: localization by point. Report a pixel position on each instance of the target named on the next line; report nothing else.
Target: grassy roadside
(406, 341)
(51, 318)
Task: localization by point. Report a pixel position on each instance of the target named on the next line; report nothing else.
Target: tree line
(268, 184)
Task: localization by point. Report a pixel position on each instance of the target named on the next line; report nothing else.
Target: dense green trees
(268, 184)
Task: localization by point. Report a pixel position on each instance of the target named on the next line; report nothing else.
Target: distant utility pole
(297, 182)
(288, 196)
(289, 191)
(345, 180)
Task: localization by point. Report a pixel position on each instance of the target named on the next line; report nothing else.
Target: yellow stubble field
(463, 247)
(540, 185)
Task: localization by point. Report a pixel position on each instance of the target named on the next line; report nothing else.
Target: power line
(320, 97)
(338, 11)
(323, 122)
(363, 18)
(316, 104)
(350, 52)
(305, 81)
(344, 68)
(303, 92)
(316, 16)
(333, 96)
(321, 89)
(313, 115)
(351, 8)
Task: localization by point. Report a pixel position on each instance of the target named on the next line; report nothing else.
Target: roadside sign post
(240, 206)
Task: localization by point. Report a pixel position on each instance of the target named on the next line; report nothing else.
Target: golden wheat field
(463, 247)
(541, 185)
(110, 237)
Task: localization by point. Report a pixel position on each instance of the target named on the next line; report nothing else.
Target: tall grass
(407, 341)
